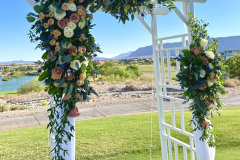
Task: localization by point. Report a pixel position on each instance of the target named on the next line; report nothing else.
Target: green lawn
(147, 68)
(8, 93)
(121, 138)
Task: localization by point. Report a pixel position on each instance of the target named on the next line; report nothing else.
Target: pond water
(15, 83)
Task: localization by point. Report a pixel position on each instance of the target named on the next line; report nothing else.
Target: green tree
(234, 66)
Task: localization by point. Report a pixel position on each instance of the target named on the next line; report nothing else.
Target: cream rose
(59, 16)
(210, 83)
(66, 45)
(81, 24)
(210, 54)
(210, 65)
(72, 7)
(203, 43)
(72, 25)
(202, 73)
(68, 32)
(74, 64)
(52, 8)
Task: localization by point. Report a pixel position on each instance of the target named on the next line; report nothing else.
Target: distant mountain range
(225, 43)
(19, 61)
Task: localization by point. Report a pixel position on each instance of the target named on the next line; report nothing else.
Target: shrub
(31, 87)
(173, 63)
(134, 69)
(129, 88)
(231, 83)
(5, 108)
(234, 66)
(18, 107)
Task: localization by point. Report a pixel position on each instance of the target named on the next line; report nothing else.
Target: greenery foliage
(31, 87)
(234, 66)
(201, 77)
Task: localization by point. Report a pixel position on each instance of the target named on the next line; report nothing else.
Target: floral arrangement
(201, 75)
(62, 30)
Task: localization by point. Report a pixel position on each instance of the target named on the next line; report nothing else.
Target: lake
(15, 83)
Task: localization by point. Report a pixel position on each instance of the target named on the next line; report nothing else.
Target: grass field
(120, 138)
(8, 93)
(147, 68)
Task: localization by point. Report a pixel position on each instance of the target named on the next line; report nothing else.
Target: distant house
(228, 53)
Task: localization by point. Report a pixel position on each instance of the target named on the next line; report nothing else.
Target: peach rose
(57, 48)
(208, 103)
(82, 12)
(51, 14)
(196, 51)
(65, 6)
(69, 76)
(72, 50)
(84, 50)
(127, 6)
(80, 82)
(205, 124)
(57, 33)
(202, 86)
(82, 76)
(91, 16)
(66, 97)
(51, 57)
(79, 97)
(41, 15)
(205, 61)
(62, 23)
(46, 25)
(52, 42)
(51, 21)
(63, 86)
(212, 75)
(81, 1)
(56, 73)
(74, 18)
(82, 38)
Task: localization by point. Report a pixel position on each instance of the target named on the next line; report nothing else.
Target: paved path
(97, 112)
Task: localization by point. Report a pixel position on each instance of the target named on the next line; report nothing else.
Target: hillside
(225, 43)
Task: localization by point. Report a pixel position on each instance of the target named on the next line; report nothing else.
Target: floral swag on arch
(201, 75)
(62, 29)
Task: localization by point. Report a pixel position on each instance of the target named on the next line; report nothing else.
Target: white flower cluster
(210, 54)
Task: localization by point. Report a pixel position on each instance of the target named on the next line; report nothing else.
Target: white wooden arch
(161, 86)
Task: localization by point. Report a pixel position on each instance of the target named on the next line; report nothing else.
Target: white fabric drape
(70, 146)
(203, 151)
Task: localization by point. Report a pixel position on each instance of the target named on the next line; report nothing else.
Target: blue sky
(113, 37)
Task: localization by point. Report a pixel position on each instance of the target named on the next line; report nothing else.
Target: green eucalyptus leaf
(59, 10)
(31, 19)
(44, 56)
(83, 68)
(32, 14)
(37, 8)
(43, 76)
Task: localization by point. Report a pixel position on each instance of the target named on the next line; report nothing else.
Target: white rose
(210, 54)
(203, 43)
(52, 8)
(141, 8)
(209, 113)
(60, 60)
(81, 24)
(72, 7)
(202, 73)
(68, 32)
(59, 16)
(76, 64)
(66, 45)
(210, 65)
(85, 62)
(210, 83)
(72, 25)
